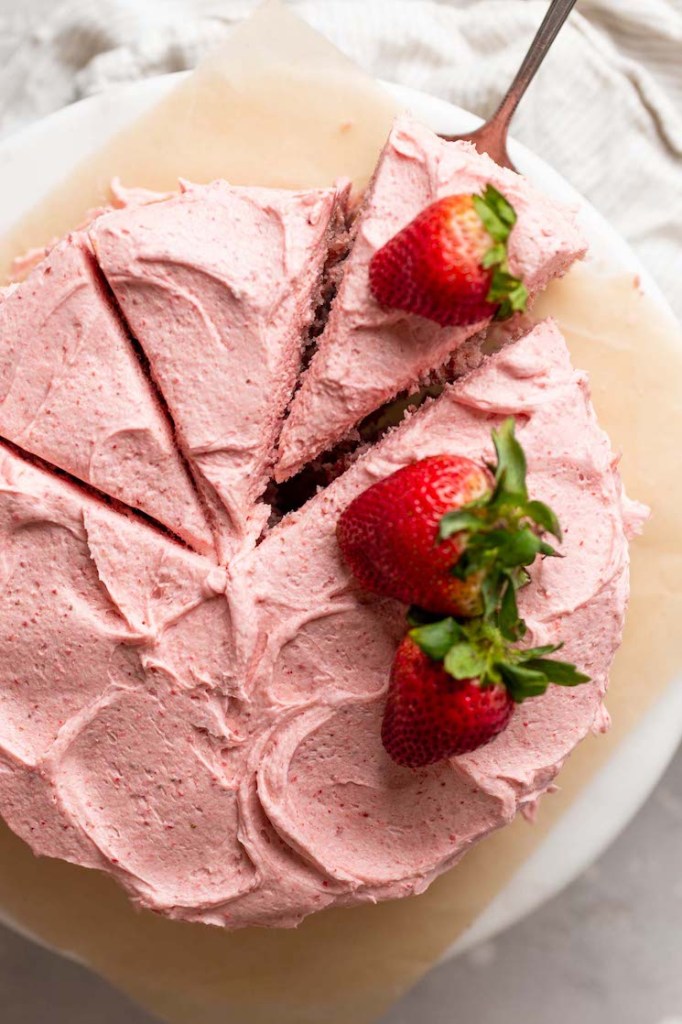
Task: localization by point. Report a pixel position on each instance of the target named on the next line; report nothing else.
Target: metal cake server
(491, 137)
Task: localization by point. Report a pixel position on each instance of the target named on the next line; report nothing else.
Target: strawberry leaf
(471, 561)
(495, 255)
(522, 682)
(510, 472)
(519, 548)
(544, 516)
(502, 208)
(484, 649)
(511, 625)
(529, 653)
(563, 673)
(456, 522)
(491, 592)
(528, 673)
(505, 286)
(496, 213)
(510, 292)
(498, 217)
(465, 661)
(436, 638)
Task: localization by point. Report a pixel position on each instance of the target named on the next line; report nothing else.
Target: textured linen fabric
(606, 108)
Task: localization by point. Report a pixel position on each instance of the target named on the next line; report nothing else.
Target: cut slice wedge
(368, 354)
(73, 393)
(220, 286)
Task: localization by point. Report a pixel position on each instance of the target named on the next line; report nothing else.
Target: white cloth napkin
(606, 108)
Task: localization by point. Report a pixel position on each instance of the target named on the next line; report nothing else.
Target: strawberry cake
(369, 354)
(214, 695)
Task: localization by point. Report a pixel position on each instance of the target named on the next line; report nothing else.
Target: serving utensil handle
(557, 14)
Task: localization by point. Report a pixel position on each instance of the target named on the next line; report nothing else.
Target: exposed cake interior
(367, 354)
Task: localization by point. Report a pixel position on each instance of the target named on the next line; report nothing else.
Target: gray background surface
(607, 951)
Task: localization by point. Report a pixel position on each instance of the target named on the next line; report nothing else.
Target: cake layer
(73, 393)
(222, 758)
(367, 355)
(219, 286)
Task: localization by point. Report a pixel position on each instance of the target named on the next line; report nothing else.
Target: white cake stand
(621, 787)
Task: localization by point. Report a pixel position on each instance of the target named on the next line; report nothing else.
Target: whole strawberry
(430, 715)
(389, 534)
(450, 264)
(446, 535)
(453, 688)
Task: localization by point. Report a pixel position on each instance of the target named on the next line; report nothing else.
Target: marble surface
(607, 951)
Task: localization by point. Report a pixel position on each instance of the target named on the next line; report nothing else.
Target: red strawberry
(454, 685)
(430, 715)
(444, 535)
(449, 538)
(450, 263)
(389, 534)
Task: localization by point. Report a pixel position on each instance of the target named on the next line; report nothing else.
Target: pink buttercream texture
(219, 286)
(72, 392)
(367, 354)
(211, 738)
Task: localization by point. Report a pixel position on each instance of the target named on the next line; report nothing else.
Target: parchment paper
(276, 105)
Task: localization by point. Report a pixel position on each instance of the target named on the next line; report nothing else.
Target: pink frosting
(211, 738)
(72, 392)
(219, 286)
(368, 355)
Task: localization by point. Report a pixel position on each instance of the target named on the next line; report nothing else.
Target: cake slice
(220, 286)
(72, 392)
(367, 354)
